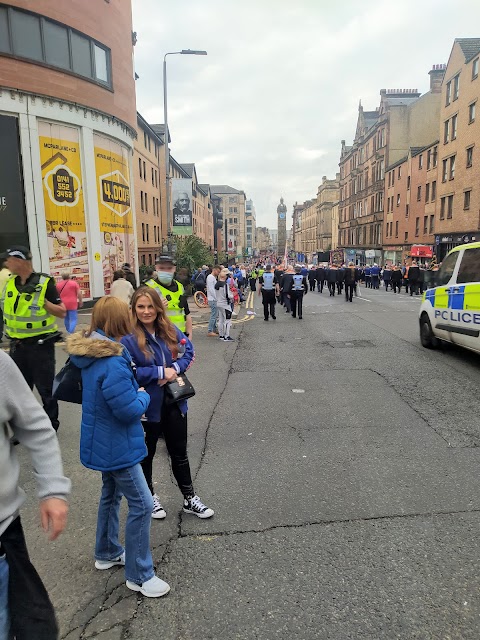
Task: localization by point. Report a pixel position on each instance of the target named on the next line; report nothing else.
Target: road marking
(298, 390)
(362, 298)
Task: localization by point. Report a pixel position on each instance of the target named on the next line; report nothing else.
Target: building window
(454, 127)
(408, 182)
(466, 199)
(456, 86)
(444, 170)
(143, 258)
(399, 172)
(434, 191)
(141, 201)
(471, 112)
(146, 229)
(407, 210)
(389, 178)
(398, 200)
(452, 168)
(140, 168)
(427, 192)
(432, 224)
(429, 159)
(435, 157)
(419, 192)
(34, 37)
(425, 224)
(153, 177)
(145, 170)
(420, 161)
(448, 94)
(396, 229)
(406, 236)
(475, 69)
(146, 202)
(417, 227)
(446, 131)
(393, 177)
(449, 206)
(442, 208)
(469, 157)
(143, 232)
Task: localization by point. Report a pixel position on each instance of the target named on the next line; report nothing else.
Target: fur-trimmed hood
(86, 349)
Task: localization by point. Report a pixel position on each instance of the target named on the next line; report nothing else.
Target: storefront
(65, 189)
(392, 255)
(445, 243)
(422, 253)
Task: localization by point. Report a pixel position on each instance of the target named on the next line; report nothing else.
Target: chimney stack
(436, 77)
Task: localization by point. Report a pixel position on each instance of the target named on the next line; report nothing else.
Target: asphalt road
(341, 460)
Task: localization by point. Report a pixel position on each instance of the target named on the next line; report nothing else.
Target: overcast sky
(266, 110)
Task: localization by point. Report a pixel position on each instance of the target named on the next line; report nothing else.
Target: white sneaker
(153, 588)
(108, 564)
(234, 313)
(158, 512)
(195, 505)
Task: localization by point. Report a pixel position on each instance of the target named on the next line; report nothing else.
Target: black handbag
(67, 384)
(179, 389)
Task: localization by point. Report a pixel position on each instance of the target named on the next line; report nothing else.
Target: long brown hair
(111, 315)
(164, 328)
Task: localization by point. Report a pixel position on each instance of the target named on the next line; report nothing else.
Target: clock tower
(282, 228)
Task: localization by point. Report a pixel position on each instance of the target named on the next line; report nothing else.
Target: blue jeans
(71, 320)
(130, 483)
(212, 323)
(4, 616)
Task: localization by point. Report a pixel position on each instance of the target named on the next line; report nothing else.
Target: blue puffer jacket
(112, 435)
(150, 370)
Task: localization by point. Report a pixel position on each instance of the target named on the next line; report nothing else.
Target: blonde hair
(164, 328)
(112, 316)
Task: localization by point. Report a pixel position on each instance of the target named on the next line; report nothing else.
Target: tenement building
(458, 199)
(403, 119)
(327, 222)
(67, 128)
(233, 209)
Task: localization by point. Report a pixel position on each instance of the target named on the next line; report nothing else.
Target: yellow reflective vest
(24, 314)
(174, 312)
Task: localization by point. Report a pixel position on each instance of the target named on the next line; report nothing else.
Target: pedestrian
(224, 305)
(312, 277)
(159, 356)
(121, 288)
(173, 294)
(340, 279)
(375, 276)
(112, 441)
(368, 281)
(4, 276)
(396, 279)
(387, 277)
(350, 280)
(269, 288)
(212, 301)
(405, 270)
(31, 304)
(299, 289)
(320, 278)
(279, 271)
(200, 280)
(129, 275)
(71, 296)
(413, 278)
(253, 279)
(25, 609)
(332, 278)
(286, 284)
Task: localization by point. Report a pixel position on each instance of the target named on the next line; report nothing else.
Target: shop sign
(421, 251)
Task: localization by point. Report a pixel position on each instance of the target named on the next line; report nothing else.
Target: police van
(450, 311)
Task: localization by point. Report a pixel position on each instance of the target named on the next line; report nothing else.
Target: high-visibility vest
(298, 282)
(268, 281)
(30, 317)
(174, 312)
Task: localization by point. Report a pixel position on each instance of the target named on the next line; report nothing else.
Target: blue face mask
(165, 277)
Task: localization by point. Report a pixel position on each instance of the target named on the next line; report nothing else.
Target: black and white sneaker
(195, 505)
(158, 512)
(229, 339)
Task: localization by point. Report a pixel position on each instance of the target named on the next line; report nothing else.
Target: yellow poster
(63, 200)
(114, 206)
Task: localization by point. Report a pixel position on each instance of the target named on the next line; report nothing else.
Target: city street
(341, 459)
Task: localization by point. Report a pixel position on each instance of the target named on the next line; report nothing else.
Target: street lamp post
(183, 52)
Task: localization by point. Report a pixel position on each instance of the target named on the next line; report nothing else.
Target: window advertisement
(182, 207)
(114, 206)
(13, 221)
(64, 204)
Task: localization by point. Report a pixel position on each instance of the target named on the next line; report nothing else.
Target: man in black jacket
(413, 278)
(332, 278)
(129, 275)
(320, 278)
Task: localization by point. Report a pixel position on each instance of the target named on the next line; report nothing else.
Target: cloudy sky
(266, 109)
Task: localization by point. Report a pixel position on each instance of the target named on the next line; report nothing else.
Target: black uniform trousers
(349, 289)
(173, 425)
(331, 288)
(268, 300)
(31, 613)
(296, 300)
(37, 364)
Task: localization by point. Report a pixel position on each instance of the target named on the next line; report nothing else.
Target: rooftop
(469, 46)
(224, 188)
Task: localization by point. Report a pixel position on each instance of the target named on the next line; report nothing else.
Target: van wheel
(428, 340)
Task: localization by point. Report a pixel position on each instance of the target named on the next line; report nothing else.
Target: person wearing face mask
(172, 293)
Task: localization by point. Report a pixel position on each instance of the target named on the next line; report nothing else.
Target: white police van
(450, 311)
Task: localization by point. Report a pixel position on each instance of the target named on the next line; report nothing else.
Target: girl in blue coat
(112, 442)
(159, 356)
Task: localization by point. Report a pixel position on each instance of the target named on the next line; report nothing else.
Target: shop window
(469, 270)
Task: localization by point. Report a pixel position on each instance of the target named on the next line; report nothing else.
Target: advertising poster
(182, 206)
(64, 204)
(114, 207)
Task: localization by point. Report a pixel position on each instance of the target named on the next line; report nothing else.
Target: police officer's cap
(165, 258)
(17, 251)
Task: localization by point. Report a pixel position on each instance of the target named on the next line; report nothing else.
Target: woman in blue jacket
(156, 348)
(112, 442)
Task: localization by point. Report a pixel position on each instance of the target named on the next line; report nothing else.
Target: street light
(183, 52)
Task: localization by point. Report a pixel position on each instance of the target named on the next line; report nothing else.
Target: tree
(191, 253)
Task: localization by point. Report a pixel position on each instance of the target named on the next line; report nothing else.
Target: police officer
(269, 288)
(299, 289)
(173, 294)
(30, 304)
